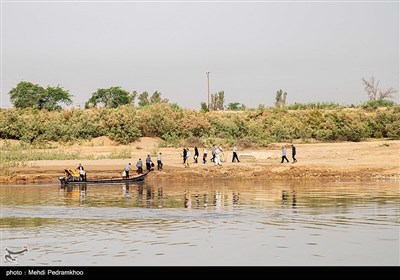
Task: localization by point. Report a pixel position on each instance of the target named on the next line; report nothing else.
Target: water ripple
(238, 224)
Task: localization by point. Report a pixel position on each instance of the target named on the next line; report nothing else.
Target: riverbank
(369, 160)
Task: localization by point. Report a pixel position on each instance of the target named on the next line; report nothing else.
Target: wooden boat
(136, 178)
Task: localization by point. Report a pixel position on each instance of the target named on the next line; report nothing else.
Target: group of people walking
(216, 153)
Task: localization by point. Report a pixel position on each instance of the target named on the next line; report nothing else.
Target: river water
(246, 223)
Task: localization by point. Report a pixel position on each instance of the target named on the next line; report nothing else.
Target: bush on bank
(174, 125)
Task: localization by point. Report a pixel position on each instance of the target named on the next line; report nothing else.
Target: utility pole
(208, 90)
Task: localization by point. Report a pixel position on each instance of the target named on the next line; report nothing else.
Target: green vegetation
(29, 95)
(155, 98)
(174, 124)
(374, 104)
(235, 106)
(317, 105)
(112, 97)
(280, 98)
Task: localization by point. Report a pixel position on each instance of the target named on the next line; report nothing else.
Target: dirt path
(340, 161)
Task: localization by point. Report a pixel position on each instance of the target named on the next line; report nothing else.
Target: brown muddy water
(226, 223)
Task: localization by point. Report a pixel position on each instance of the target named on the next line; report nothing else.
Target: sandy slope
(339, 161)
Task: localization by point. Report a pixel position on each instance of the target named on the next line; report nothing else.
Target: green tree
(54, 96)
(133, 96)
(280, 98)
(29, 95)
(143, 99)
(156, 98)
(204, 107)
(236, 106)
(217, 101)
(109, 97)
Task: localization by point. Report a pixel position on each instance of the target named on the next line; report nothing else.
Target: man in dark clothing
(235, 155)
(213, 153)
(196, 154)
(294, 154)
(184, 156)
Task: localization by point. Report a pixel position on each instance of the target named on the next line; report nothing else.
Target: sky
(314, 51)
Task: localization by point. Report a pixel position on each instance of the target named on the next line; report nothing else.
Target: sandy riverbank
(368, 160)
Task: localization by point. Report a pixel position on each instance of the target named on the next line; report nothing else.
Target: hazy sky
(315, 51)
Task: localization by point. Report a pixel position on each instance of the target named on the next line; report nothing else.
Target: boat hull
(137, 178)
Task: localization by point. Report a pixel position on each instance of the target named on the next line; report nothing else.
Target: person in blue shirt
(284, 154)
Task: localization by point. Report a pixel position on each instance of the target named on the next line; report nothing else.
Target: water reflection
(147, 195)
(187, 200)
(74, 191)
(220, 199)
(196, 201)
(125, 191)
(235, 198)
(217, 199)
(270, 223)
(159, 197)
(289, 197)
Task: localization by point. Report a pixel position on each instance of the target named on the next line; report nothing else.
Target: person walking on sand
(217, 160)
(187, 157)
(284, 154)
(159, 162)
(221, 153)
(184, 156)
(196, 154)
(213, 153)
(204, 156)
(294, 154)
(235, 155)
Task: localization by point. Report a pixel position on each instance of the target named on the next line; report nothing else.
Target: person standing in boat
(139, 166)
(127, 169)
(82, 173)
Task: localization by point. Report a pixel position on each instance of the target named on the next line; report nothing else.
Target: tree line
(29, 95)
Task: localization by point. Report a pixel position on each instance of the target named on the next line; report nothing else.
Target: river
(210, 223)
